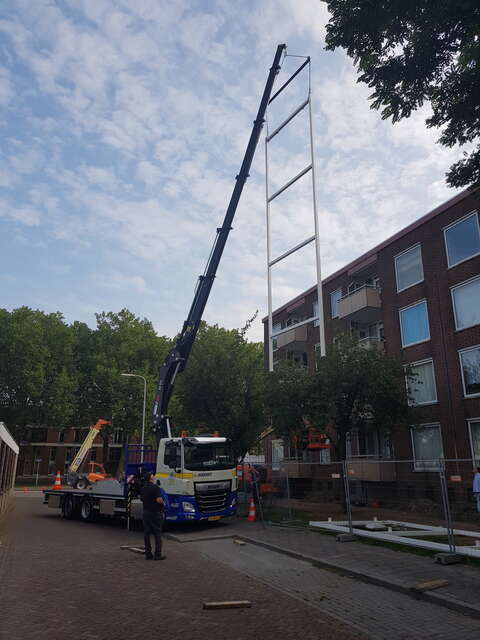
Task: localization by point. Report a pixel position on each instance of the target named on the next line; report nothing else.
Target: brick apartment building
(416, 296)
(48, 450)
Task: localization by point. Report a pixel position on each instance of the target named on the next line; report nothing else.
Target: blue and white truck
(197, 473)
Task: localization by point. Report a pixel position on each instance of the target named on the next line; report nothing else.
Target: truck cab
(198, 474)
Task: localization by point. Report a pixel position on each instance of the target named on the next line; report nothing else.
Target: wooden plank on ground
(228, 604)
(430, 585)
(240, 542)
(127, 547)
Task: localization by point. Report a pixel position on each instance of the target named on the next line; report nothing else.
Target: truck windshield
(209, 456)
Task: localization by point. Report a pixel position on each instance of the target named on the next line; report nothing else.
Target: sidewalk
(395, 570)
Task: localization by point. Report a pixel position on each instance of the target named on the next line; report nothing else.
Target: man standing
(154, 502)
(476, 487)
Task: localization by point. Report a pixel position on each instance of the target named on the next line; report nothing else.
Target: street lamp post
(135, 375)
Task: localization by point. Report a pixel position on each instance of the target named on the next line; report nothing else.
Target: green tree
(121, 343)
(288, 398)
(412, 52)
(37, 380)
(356, 388)
(221, 388)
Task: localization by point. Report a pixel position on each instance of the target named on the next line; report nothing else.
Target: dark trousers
(152, 525)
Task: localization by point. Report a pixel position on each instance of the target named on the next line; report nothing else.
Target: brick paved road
(377, 611)
(67, 579)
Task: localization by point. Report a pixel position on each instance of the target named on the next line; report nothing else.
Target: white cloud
(25, 215)
(6, 92)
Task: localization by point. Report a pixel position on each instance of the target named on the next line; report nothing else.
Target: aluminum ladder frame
(314, 238)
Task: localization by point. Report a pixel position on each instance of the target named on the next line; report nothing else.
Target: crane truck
(198, 473)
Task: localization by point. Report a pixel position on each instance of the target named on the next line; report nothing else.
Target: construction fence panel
(294, 492)
(393, 494)
(463, 505)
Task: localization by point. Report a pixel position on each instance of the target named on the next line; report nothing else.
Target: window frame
(399, 255)
(469, 426)
(316, 323)
(452, 289)
(460, 351)
(423, 426)
(418, 363)
(409, 306)
(339, 290)
(471, 214)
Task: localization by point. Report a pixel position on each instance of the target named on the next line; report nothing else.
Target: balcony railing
(362, 305)
(371, 344)
(291, 337)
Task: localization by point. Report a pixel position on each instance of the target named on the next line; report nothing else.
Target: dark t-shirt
(150, 492)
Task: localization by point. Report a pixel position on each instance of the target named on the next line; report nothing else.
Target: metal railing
(390, 500)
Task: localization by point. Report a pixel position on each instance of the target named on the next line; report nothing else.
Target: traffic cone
(58, 483)
(251, 512)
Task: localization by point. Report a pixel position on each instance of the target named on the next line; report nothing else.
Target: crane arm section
(177, 359)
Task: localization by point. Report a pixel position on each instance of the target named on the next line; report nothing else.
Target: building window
(470, 367)
(414, 324)
(316, 323)
(334, 300)
(276, 327)
(474, 426)
(52, 455)
(78, 436)
(427, 447)
(117, 436)
(93, 455)
(61, 436)
(409, 268)
(421, 386)
(462, 240)
(466, 303)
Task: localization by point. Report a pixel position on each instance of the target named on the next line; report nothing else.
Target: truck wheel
(87, 512)
(82, 484)
(69, 508)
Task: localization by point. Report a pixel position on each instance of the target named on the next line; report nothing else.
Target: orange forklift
(95, 471)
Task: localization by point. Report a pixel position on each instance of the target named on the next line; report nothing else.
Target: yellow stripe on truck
(183, 476)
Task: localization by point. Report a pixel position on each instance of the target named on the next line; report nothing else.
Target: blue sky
(123, 124)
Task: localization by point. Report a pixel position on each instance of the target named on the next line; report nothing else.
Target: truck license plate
(214, 518)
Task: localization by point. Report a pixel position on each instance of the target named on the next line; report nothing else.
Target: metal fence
(419, 503)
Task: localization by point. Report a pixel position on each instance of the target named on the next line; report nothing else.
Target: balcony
(371, 344)
(371, 470)
(294, 338)
(363, 305)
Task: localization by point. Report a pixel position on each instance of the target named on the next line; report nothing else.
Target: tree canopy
(221, 389)
(59, 375)
(352, 389)
(415, 51)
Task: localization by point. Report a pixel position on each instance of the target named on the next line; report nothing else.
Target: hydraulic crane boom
(176, 360)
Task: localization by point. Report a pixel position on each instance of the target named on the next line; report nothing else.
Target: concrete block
(346, 537)
(448, 558)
